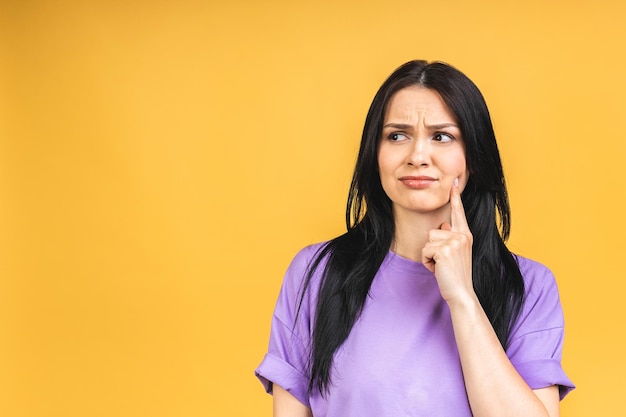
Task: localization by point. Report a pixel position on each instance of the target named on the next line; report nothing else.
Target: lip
(417, 182)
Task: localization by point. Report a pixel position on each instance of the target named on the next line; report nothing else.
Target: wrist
(466, 303)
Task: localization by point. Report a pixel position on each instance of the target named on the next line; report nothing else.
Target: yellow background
(162, 161)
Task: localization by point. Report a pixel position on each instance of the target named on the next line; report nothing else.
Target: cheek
(385, 162)
(457, 165)
(386, 169)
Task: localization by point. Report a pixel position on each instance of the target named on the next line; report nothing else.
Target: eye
(396, 137)
(443, 137)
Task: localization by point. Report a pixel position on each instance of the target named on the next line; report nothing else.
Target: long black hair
(353, 259)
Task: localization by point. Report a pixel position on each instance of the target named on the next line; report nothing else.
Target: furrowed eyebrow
(442, 126)
(407, 126)
(397, 126)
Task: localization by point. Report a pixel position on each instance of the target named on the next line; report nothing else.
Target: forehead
(416, 102)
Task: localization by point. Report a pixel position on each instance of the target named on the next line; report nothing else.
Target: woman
(419, 309)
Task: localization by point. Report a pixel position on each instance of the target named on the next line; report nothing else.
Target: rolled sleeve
(274, 370)
(286, 361)
(536, 341)
(537, 358)
(545, 373)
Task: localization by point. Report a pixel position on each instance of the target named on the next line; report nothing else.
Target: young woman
(419, 309)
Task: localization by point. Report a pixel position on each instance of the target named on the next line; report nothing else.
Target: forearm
(494, 387)
(286, 405)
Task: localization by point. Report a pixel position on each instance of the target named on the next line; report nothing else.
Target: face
(421, 152)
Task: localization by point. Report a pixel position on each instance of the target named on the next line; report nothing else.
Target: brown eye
(443, 137)
(396, 137)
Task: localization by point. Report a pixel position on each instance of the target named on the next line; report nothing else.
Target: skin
(286, 405)
(420, 138)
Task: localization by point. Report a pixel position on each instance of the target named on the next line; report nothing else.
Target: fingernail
(456, 182)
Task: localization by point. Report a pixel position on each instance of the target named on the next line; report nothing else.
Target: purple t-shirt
(400, 358)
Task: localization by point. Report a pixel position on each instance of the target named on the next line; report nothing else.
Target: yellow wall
(162, 161)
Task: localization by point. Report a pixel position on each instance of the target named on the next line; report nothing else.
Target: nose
(420, 153)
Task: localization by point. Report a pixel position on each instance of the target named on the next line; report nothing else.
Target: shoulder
(537, 276)
(305, 256)
(301, 265)
(542, 303)
(530, 266)
(304, 260)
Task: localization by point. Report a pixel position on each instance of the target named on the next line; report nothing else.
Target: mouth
(417, 182)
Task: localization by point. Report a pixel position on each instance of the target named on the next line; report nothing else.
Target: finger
(428, 258)
(458, 220)
(438, 235)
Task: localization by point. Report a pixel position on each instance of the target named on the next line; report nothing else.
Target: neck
(411, 231)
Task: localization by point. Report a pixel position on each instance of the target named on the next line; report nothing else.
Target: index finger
(458, 220)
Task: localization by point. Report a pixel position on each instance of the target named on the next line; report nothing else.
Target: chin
(424, 208)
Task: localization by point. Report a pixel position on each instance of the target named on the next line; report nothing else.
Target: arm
(286, 405)
(494, 387)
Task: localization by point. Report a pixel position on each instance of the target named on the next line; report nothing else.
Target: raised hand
(448, 253)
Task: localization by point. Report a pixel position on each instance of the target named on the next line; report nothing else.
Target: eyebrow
(407, 126)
